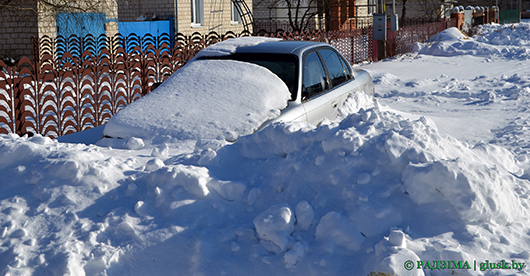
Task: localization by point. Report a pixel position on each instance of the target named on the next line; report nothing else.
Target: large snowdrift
(377, 190)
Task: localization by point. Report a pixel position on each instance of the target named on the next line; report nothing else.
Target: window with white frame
(197, 12)
(236, 17)
(372, 7)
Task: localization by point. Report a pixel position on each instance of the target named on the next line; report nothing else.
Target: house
(352, 14)
(95, 17)
(525, 14)
(286, 15)
(33, 18)
(187, 16)
(307, 15)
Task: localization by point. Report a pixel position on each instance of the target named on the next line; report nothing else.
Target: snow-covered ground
(431, 180)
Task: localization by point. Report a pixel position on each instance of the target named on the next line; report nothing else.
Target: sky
(430, 179)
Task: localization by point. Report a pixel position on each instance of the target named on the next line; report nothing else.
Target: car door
(327, 82)
(315, 85)
(342, 81)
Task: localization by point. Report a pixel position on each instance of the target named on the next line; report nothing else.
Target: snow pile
(451, 42)
(475, 181)
(514, 35)
(450, 35)
(343, 179)
(190, 105)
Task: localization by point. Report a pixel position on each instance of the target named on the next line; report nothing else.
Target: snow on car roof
(230, 46)
(257, 45)
(206, 99)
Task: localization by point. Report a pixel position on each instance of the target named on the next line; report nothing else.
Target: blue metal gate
(148, 32)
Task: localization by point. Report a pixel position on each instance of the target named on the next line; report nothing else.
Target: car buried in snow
(318, 77)
(216, 88)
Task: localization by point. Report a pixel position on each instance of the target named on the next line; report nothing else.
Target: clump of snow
(392, 256)
(275, 225)
(134, 143)
(161, 150)
(304, 215)
(190, 105)
(292, 256)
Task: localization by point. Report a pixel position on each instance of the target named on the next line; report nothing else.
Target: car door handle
(334, 104)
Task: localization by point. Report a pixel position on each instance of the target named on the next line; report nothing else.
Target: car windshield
(284, 66)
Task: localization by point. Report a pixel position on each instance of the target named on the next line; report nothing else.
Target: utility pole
(380, 29)
(380, 26)
(520, 9)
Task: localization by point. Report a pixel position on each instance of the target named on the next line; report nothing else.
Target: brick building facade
(18, 26)
(16, 30)
(330, 14)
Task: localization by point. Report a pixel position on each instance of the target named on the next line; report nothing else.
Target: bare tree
(432, 9)
(20, 7)
(298, 13)
(424, 9)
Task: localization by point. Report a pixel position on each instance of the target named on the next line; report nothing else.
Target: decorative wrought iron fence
(355, 45)
(414, 21)
(75, 84)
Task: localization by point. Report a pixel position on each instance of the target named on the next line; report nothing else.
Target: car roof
(281, 47)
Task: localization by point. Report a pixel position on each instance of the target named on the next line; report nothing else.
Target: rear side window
(285, 66)
(347, 68)
(314, 77)
(335, 67)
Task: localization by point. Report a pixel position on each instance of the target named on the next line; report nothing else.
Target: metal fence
(401, 41)
(283, 25)
(75, 84)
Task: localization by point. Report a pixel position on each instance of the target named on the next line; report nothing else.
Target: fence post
(36, 55)
(20, 105)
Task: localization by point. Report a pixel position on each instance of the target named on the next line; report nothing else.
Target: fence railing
(400, 42)
(75, 84)
(283, 25)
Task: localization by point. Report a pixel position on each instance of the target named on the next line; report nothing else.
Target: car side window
(334, 65)
(347, 68)
(315, 79)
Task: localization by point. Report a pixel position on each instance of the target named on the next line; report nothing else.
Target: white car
(238, 86)
(318, 77)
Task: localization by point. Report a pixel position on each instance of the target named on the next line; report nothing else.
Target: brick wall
(47, 16)
(217, 17)
(131, 10)
(217, 14)
(16, 29)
